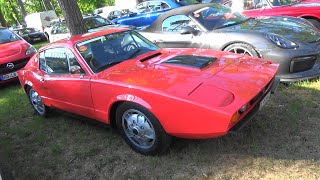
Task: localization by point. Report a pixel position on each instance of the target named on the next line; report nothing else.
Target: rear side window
(177, 22)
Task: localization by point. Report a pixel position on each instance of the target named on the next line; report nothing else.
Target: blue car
(148, 11)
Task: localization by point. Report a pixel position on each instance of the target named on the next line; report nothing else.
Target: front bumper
(292, 66)
(249, 116)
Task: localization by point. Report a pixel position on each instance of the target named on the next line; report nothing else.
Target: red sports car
(150, 94)
(307, 9)
(14, 54)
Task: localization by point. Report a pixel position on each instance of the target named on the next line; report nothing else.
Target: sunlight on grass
(315, 84)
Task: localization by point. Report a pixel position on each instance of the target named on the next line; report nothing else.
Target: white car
(94, 23)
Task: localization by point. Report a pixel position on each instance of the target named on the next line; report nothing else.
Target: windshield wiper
(108, 65)
(236, 23)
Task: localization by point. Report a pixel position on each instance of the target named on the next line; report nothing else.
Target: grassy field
(282, 142)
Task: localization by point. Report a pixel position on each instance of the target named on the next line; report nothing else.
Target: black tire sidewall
(162, 140)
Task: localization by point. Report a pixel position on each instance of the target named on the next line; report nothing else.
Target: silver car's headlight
(281, 42)
(31, 50)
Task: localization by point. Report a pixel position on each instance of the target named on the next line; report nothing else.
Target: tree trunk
(2, 20)
(73, 17)
(23, 10)
(47, 5)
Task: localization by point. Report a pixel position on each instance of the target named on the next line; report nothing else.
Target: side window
(60, 28)
(56, 61)
(42, 62)
(74, 65)
(177, 22)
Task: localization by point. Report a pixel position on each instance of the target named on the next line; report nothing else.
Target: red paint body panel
(188, 102)
(11, 52)
(304, 10)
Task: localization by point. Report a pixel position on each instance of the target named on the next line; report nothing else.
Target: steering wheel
(129, 47)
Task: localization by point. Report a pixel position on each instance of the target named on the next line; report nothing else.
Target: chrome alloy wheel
(138, 128)
(36, 101)
(240, 50)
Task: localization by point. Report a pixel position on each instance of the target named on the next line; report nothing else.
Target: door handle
(41, 79)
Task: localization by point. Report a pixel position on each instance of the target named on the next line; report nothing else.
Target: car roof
(82, 37)
(184, 10)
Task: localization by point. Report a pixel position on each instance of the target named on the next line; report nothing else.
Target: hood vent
(197, 62)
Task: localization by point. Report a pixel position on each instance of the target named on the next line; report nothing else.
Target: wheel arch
(120, 99)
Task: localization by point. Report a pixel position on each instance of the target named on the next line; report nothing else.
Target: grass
(283, 142)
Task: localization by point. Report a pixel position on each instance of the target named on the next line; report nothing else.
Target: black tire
(242, 49)
(144, 118)
(36, 102)
(315, 22)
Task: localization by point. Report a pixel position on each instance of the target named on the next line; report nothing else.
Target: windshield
(187, 2)
(7, 36)
(105, 51)
(217, 16)
(284, 2)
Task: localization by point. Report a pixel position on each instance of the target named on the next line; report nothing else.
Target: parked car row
(213, 68)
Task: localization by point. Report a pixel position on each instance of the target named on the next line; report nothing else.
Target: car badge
(10, 66)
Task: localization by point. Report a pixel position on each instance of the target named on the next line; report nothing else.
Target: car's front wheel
(141, 129)
(37, 103)
(241, 48)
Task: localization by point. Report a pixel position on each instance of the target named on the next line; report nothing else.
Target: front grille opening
(299, 64)
(261, 93)
(17, 65)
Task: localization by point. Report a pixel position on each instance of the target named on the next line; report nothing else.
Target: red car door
(67, 87)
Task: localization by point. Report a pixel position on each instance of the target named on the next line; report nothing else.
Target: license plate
(265, 100)
(8, 76)
(36, 39)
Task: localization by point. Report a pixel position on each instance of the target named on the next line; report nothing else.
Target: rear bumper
(245, 120)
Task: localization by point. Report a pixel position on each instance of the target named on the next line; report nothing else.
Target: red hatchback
(307, 9)
(150, 94)
(14, 54)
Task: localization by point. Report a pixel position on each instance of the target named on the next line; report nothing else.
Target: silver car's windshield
(217, 16)
(103, 52)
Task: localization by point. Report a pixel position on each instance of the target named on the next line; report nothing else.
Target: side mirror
(188, 30)
(75, 69)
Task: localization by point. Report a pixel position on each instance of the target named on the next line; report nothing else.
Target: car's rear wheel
(241, 48)
(315, 22)
(141, 129)
(37, 103)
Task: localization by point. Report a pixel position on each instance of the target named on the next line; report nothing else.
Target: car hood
(227, 74)
(12, 49)
(298, 32)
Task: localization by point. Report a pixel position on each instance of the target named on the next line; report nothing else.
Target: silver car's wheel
(241, 48)
(36, 102)
(138, 128)
(141, 129)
